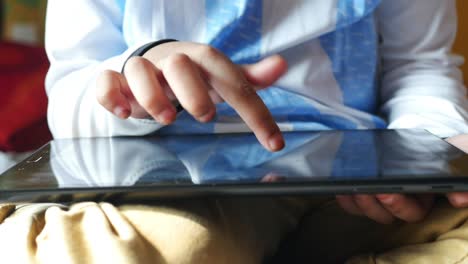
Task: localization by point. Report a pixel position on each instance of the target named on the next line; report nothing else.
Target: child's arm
(421, 87)
(87, 49)
(422, 84)
(84, 38)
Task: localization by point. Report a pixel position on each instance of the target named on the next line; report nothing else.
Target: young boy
(315, 64)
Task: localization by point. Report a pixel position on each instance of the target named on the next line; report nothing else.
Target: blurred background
(23, 21)
(461, 45)
(23, 66)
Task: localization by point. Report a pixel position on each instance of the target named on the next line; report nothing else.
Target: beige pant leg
(442, 238)
(196, 231)
(329, 235)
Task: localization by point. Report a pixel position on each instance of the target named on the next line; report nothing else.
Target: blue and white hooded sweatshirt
(353, 64)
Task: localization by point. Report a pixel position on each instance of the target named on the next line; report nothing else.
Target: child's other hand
(198, 76)
(385, 208)
(459, 199)
(460, 141)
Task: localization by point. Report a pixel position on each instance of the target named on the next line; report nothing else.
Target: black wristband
(143, 49)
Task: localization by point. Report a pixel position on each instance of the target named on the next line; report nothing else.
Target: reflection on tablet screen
(238, 158)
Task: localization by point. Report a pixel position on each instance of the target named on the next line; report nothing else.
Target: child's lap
(330, 235)
(190, 231)
(222, 231)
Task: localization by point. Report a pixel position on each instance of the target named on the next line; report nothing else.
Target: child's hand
(459, 199)
(384, 208)
(198, 76)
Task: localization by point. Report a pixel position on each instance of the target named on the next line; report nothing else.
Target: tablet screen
(225, 159)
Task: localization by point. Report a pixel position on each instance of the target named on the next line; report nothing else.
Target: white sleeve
(83, 38)
(422, 86)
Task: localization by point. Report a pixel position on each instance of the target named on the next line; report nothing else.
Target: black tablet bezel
(434, 184)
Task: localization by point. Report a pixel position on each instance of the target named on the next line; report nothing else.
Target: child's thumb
(265, 72)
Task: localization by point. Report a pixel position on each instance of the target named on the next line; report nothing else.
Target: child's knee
(185, 237)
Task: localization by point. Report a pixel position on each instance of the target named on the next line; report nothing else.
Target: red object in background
(23, 101)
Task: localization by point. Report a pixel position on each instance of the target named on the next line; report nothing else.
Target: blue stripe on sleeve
(352, 48)
(235, 28)
(121, 5)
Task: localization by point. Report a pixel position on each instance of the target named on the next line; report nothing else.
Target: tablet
(320, 162)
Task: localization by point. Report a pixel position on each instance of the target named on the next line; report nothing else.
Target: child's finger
(371, 207)
(406, 207)
(142, 78)
(230, 83)
(110, 85)
(459, 141)
(265, 72)
(188, 86)
(458, 200)
(347, 203)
